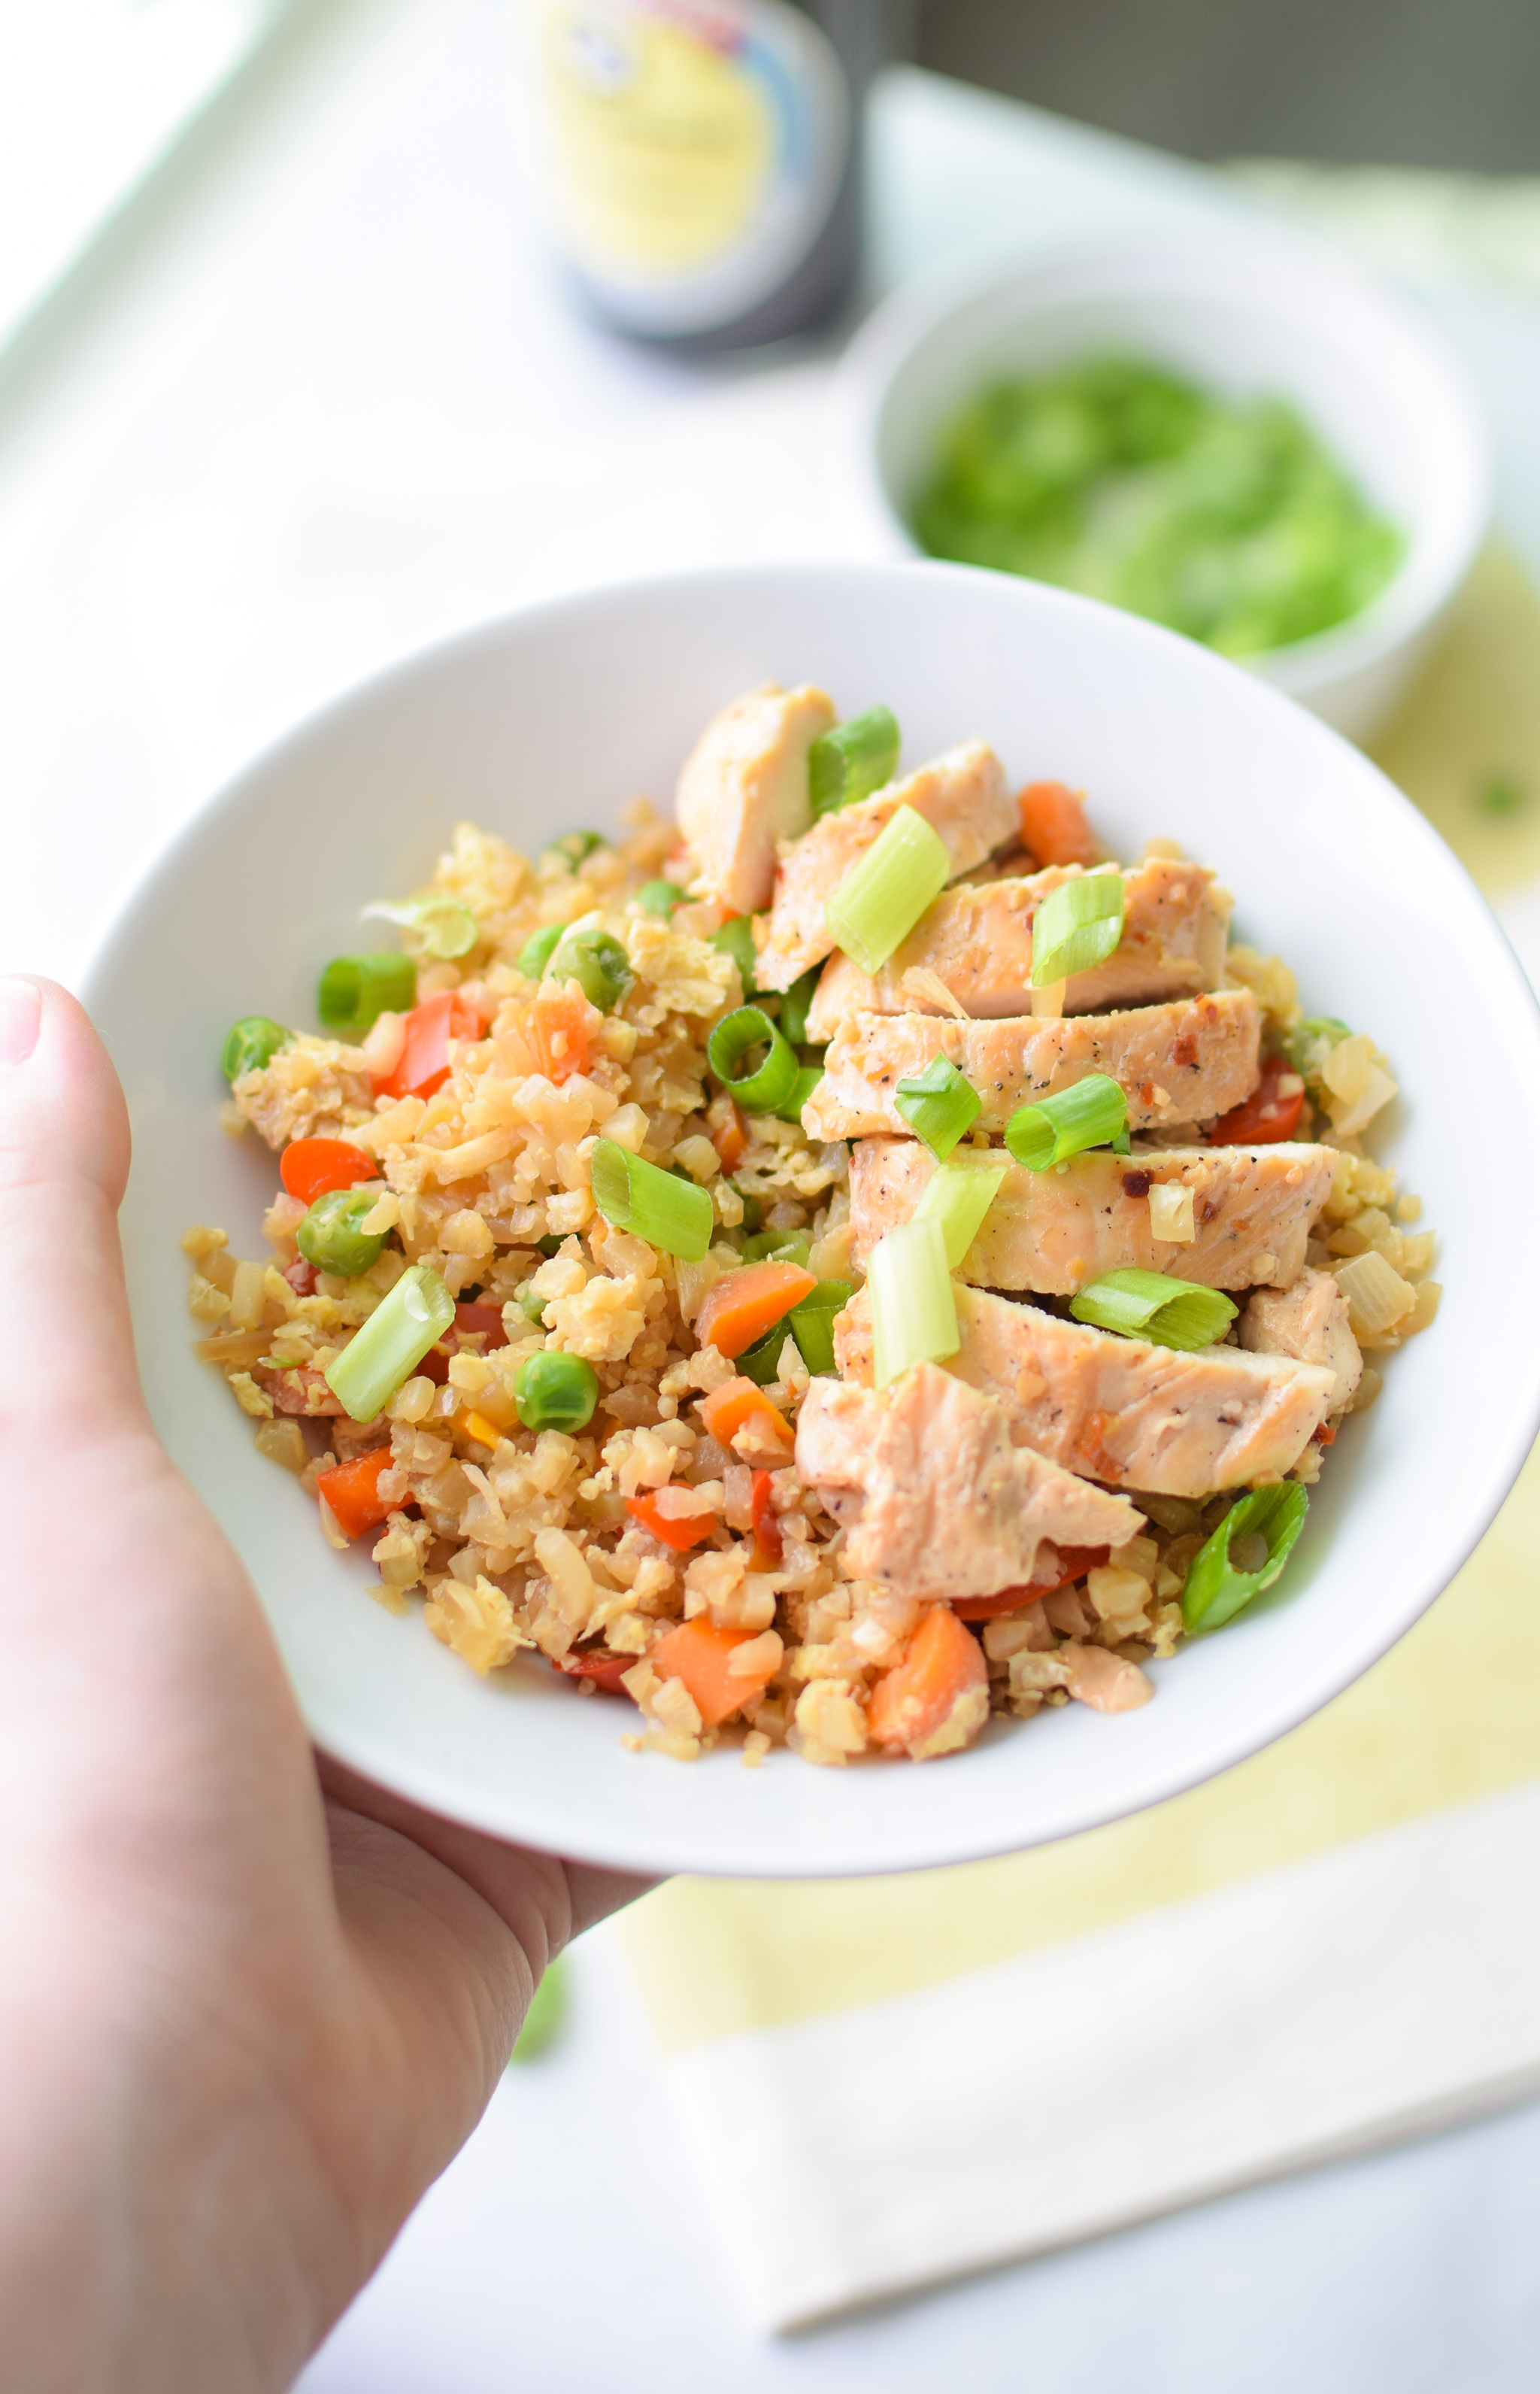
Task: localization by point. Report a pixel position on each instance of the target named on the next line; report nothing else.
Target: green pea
(598, 964)
(572, 848)
(555, 1392)
(530, 1306)
(252, 1041)
(535, 954)
(659, 897)
(330, 1237)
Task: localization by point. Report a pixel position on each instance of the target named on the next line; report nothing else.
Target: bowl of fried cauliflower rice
(823, 1219)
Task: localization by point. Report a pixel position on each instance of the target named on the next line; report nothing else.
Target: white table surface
(318, 401)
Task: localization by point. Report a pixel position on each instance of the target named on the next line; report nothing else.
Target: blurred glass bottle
(702, 159)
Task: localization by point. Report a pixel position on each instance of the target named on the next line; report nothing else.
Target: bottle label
(694, 148)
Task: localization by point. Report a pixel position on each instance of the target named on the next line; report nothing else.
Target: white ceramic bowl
(1242, 313)
(551, 719)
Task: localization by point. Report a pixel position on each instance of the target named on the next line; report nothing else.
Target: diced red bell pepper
(1266, 1115)
(422, 1065)
(605, 1670)
(300, 1277)
(310, 1166)
(1073, 1563)
(474, 1320)
(681, 1531)
(353, 1492)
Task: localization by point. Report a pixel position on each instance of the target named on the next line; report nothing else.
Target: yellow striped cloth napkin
(887, 2082)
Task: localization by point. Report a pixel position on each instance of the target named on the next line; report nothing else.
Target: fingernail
(21, 1019)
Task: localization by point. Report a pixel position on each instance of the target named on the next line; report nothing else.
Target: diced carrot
(681, 1531)
(1267, 1115)
(728, 1409)
(353, 1492)
(766, 1529)
(310, 1166)
(937, 1699)
(606, 1670)
(1054, 824)
(731, 1140)
(423, 1063)
(558, 1026)
(698, 1653)
(742, 1305)
(1073, 1563)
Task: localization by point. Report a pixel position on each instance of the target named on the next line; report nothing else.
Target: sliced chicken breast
(1177, 1063)
(962, 796)
(936, 1498)
(1119, 1410)
(1309, 1322)
(744, 786)
(1252, 1209)
(976, 940)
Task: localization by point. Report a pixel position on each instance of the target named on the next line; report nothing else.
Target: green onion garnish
(445, 926)
(882, 898)
(806, 1083)
(539, 950)
(555, 1392)
(387, 1349)
(913, 1312)
(598, 965)
(658, 896)
(1152, 1305)
(794, 1005)
(772, 1083)
(1077, 927)
(735, 938)
(761, 1361)
(332, 1236)
(1311, 1042)
(1091, 1114)
(939, 1105)
(1216, 1589)
(959, 1193)
(251, 1042)
(356, 990)
(572, 848)
(776, 1247)
(651, 1204)
(812, 1323)
(852, 761)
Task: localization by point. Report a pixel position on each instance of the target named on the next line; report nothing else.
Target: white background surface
(315, 402)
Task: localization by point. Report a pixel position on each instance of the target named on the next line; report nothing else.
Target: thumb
(64, 1167)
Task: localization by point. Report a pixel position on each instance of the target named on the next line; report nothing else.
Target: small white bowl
(1259, 312)
(549, 721)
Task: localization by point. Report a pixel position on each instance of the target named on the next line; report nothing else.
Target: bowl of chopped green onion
(1237, 435)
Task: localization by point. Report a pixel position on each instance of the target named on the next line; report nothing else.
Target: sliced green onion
(852, 761)
(555, 1392)
(1091, 1114)
(539, 950)
(1152, 1305)
(761, 1362)
(332, 1236)
(356, 990)
(659, 897)
(252, 1043)
(387, 1349)
(653, 1205)
(531, 1304)
(1311, 1042)
(803, 1086)
(939, 1105)
(598, 965)
(959, 1193)
(1215, 1590)
(445, 926)
(794, 1005)
(776, 1247)
(735, 938)
(913, 1312)
(572, 848)
(1076, 928)
(772, 1083)
(812, 1323)
(882, 898)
